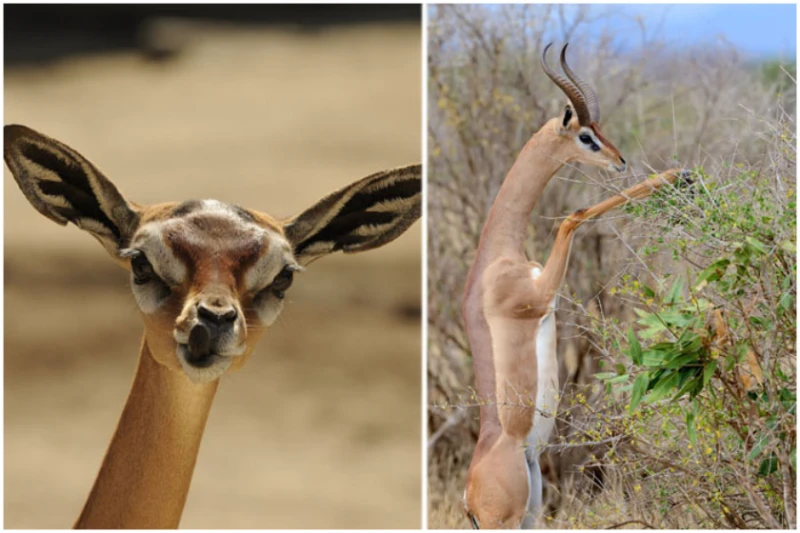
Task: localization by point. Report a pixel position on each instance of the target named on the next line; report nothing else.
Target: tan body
(209, 278)
(508, 308)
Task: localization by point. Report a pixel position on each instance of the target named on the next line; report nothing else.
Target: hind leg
(535, 493)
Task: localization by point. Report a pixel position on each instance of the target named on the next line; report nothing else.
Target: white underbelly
(544, 418)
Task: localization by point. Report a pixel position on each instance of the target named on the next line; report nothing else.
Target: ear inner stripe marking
(363, 201)
(347, 224)
(65, 168)
(315, 219)
(75, 187)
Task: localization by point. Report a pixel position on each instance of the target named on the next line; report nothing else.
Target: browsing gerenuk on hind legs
(509, 309)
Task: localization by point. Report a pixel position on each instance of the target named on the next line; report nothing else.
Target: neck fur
(507, 223)
(504, 235)
(146, 473)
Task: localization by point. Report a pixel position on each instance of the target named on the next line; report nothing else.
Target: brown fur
(215, 247)
(503, 306)
(501, 310)
(145, 476)
(154, 449)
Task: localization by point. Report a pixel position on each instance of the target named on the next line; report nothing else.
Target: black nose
(685, 178)
(217, 317)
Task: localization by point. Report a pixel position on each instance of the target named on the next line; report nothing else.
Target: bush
(709, 378)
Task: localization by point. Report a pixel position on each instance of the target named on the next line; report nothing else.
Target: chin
(205, 370)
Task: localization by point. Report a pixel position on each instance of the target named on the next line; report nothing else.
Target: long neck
(504, 234)
(145, 476)
(507, 223)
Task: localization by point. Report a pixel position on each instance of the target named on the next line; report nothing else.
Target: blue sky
(760, 30)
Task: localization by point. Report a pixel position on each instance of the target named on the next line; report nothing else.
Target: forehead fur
(162, 212)
(204, 235)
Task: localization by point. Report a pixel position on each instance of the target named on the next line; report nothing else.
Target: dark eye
(587, 139)
(282, 282)
(142, 269)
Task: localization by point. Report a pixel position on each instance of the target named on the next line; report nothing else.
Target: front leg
(554, 270)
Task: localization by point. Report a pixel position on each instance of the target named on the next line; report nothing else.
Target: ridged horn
(573, 93)
(589, 94)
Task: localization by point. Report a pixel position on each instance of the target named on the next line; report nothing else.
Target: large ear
(566, 117)
(362, 216)
(65, 187)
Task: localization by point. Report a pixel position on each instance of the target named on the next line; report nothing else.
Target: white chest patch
(536, 273)
(544, 417)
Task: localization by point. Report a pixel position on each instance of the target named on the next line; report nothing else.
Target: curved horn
(589, 94)
(573, 93)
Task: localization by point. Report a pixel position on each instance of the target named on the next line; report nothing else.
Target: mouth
(205, 360)
(203, 356)
(204, 368)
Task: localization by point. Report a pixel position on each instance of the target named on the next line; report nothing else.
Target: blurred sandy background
(322, 428)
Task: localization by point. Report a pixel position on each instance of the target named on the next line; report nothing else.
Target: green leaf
(654, 358)
(635, 347)
(681, 360)
(697, 386)
(772, 422)
(674, 292)
(788, 399)
(756, 245)
(676, 318)
(653, 322)
(689, 380)
(714, 271)
(603, 376)
(663, 388)
(655, 377)
(690, 341)
(708, 372)
(691, 427)
(703, 305)
(639, 388)
(768, 465)
(758, 447)
(786, 302)
(668, 348)
(658, 322)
